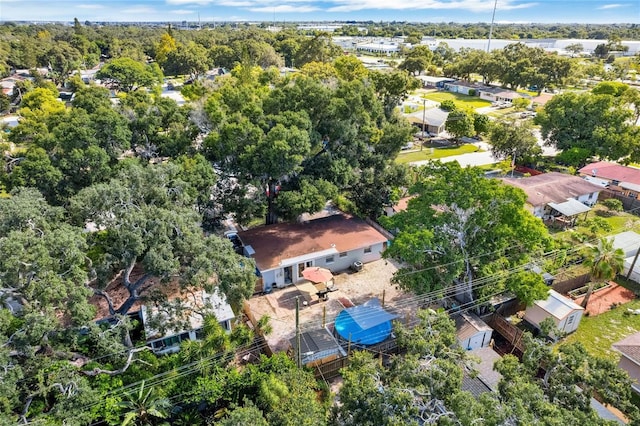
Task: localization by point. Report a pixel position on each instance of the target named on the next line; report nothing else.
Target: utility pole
(493, 17)
(299, 351)
(424, 112)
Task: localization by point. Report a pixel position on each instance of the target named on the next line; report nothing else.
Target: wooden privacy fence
(330, 369)
(565, 286)
(510, 332)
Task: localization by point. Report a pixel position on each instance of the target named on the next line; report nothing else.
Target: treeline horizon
(588, 31)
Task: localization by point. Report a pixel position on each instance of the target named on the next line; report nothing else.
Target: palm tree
(605, 263)
(144, 407)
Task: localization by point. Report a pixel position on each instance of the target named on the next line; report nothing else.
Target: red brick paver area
(601, 300)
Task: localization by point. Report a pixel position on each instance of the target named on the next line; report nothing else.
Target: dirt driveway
(352, 288)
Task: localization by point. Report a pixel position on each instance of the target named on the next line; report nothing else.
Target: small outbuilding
(317, 347)
(566, 314)
(472, 332)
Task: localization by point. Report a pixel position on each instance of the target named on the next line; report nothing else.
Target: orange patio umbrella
(316, 274)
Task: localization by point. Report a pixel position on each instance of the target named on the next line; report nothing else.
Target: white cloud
(182, 12)
(285, 8)
(470, 5)
(610, 6)
(90, 6)
(183, 2)
(139, 10)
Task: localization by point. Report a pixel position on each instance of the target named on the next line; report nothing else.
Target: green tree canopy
(145, 221)
(127, 75)
(455, 236)
(598, 123)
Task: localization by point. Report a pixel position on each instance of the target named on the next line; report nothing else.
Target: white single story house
(629, 243)
(282, 251)
(553, 194)
(566, 314)
(497, 94)
(435, 120)
(472, 333)
(463, 87)
(197, 302)
(434, 82)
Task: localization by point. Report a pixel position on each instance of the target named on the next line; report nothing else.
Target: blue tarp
(366, 324)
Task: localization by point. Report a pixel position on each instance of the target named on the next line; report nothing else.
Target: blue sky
(508, 11)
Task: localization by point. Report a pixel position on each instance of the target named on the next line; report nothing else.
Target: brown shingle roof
(552, 187)
(274, 243)
(612, 171)
(629, 347)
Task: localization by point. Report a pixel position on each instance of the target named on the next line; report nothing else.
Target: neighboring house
(431, 82)
(566, 314)
(554, 194)
(483, 377)
(629, 243)
(400, 206)
(196, 302)
(542, 99)
(472, 332)
(463, 87)
(434, 120)
(497, 94)
(623, 179)
(282, 251)
(7, 84)
(629, 349)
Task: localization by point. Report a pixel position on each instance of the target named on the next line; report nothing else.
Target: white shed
(566, 313)
(472, 332)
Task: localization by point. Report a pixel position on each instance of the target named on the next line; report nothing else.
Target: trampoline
(366, 324)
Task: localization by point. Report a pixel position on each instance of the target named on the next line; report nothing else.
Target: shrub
(472, 92)
(448, 105)
(597, 223)
(613, 204)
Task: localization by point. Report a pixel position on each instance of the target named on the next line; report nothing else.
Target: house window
(329, 260)
(367, 249)
(591, 195)
(632, 194)
(570, 319)
(343, 254)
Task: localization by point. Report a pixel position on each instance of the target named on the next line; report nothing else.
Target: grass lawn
(425, 154)
(598, 333)
(583, 230)
(461, 101)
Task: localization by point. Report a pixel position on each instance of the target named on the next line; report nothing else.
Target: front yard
(461, 101)
(426, 154)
